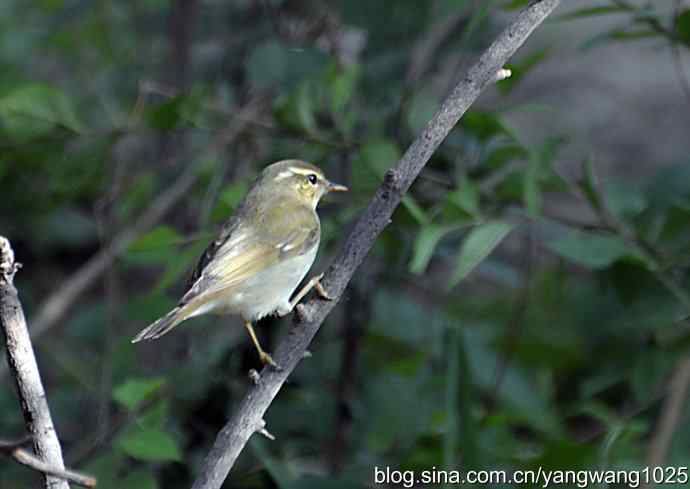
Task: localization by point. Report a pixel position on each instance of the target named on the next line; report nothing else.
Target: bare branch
(22, 363)
(249, 414)
(14, 450)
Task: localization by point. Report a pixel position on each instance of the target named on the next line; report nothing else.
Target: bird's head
(300, 179)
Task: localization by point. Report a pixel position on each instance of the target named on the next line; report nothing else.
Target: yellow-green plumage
(262, 253)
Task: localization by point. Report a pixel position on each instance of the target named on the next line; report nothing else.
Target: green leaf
(484, 125)
(297, 111)
(134, 391)
(531, 189)
(186, 259)
(150, 445)
(415, 210)
(519, 393)
(588, 185)
(160, 237)
(538, 171)
(479, 243)
(502, 155)
(650, 368)
(683, 26)
(138, 196)
(625, 199)
(425, 244)
(35, 110)
(599, 411)
(515, 4)
(591, 250)
(229, 199)
(622, 35)
(465, 197)
(155, 416)
(166, 115)
(148, 307)
(341, 83)
(380, 155)
(376, 156)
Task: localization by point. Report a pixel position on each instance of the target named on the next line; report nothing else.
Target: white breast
(270, 289)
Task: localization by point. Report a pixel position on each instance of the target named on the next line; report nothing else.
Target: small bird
(261, 255)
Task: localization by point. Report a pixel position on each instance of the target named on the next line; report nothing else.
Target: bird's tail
(162, 325)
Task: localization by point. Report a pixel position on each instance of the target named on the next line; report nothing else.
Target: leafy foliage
(513, 315)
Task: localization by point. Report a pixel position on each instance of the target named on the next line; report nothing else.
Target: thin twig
(14, 450)
(22, 364)
(250, 412)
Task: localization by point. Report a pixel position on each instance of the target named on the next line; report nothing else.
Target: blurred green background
(524, 308)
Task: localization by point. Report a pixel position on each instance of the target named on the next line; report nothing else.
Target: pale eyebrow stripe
(283, 174)
(304, 171)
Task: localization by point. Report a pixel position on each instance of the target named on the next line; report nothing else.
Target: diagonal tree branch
(22, 362)
(248, 417)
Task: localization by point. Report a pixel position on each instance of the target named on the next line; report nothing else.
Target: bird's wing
(281, 232)
(213, 247)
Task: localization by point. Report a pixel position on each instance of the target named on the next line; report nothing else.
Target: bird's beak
(335, 187)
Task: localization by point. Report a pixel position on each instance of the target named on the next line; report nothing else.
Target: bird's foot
(266, 359)
(323, 293)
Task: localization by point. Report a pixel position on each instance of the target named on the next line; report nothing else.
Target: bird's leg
(265, 358)
(314, 283)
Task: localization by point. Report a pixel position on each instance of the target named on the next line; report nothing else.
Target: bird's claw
(323, 293)
(266, 359)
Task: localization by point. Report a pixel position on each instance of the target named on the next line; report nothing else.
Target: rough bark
(24, 370)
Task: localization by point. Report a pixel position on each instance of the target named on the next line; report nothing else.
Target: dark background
(524, 308)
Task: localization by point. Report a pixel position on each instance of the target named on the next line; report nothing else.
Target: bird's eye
(312, 178)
